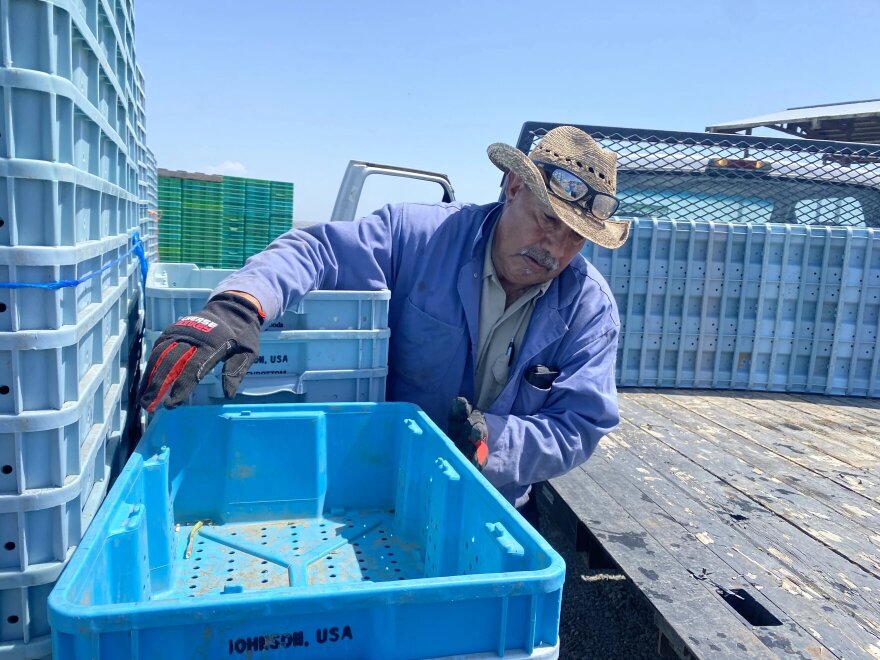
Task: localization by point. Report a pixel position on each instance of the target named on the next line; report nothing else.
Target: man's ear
(513, 185)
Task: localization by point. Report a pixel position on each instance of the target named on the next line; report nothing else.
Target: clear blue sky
(293, 90)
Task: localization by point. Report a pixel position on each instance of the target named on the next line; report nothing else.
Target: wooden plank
(860, 407)
(783, 561)
(824, 421)
(862, 412)
(694, 612)
(752, 427)
(730, 409)
(693, 517)
(800, 498)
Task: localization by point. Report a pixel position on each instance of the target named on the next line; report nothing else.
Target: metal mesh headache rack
(738, 178)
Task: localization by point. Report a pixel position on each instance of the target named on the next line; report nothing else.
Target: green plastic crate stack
(281, 208)
(202, 221)
(170, 228)
(257, 213)
(232, 251)
(219, 221)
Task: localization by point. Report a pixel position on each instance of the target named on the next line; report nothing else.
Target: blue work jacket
(431, 258)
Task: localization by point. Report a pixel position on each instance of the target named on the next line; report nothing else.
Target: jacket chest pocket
(424, 349)
(529, 399)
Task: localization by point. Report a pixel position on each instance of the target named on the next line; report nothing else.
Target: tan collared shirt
(501, 331)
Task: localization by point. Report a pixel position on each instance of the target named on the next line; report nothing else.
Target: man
(500, 330)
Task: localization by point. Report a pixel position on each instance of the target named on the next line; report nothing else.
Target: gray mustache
(541, 256)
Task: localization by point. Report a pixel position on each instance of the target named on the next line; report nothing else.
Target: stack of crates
(281, 208)
(170, 215)
(70, 163)
(258, 202)
(234, 230)
(331, 346)
(202, 215)
(219, 221)
(148, 202)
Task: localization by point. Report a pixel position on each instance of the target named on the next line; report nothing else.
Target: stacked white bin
(331, 347)
(69, 171)
(148, 194)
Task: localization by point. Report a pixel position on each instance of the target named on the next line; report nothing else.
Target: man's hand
(468, 430)
(228, 328)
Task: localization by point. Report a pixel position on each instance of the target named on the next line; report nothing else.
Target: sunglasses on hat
(569, 187)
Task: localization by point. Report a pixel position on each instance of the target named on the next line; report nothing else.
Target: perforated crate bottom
(352, 546)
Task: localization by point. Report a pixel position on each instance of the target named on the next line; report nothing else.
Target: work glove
(227, 328)
(468, 430)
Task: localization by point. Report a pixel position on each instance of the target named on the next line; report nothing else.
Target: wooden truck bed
(750, 521)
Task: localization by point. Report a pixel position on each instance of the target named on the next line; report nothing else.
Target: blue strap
(137, 248)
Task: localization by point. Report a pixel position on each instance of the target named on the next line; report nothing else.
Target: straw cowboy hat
(569, 148)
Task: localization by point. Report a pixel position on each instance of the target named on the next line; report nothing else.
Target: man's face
(530, 247)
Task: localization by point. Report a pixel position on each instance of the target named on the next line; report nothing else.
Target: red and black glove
(468, 430)
(228, 329)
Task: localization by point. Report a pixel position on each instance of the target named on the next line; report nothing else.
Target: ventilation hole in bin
(229, 579)
(264, 581)
(264, 562)
(192, 586)
(4, 389)
(2, 307)
(9, 545)
(7, 469)
(12, 619)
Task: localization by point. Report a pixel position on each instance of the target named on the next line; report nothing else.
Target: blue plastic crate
(760, 307)
(40, 525)
(352, 530)
(42, 449)
(343, 385)
(48, 309)
(24, 594)
(175, 290)
(48, 369)
(47, 205)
